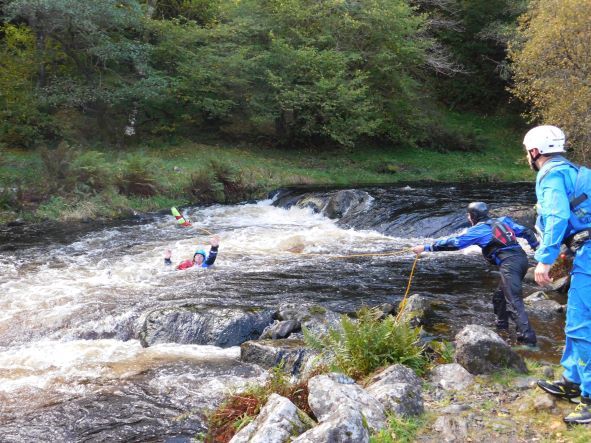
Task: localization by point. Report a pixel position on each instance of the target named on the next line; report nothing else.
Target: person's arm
(167, 257)
(213, 251)
(476, 235)
(523, 232)
(554, 212)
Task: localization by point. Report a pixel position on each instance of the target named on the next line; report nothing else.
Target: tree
(551, 60)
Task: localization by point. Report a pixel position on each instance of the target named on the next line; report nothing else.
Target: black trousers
(507, 300)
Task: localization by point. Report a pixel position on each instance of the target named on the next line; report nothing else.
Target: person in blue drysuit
(497, 239)
(555, 191)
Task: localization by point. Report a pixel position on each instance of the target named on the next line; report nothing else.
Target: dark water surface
(71, 301)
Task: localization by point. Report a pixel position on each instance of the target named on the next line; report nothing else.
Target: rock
(222, 327)
(481, 351)
(315, 318)
(344, 425)
(333, 204)
(416, 309)
(451, 428)
(524, 383)
(292, 354)
(278, 420)
(530, 275)
(535, 297)
(561, 285)
(280, 329)
(548, 372)
(396, 374)
(329, 391)
(402, 399)
(545, 309)
(455, 409)
(544, 402)
(451, 377)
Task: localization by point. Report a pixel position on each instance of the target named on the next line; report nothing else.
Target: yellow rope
(403, 302)
(369, 254)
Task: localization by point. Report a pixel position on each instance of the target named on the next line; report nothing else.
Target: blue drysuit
(512, 262)
(555, 187)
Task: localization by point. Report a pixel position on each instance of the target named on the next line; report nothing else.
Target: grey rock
(292, 354)
(524, 383)
(402, 399)
(278, 420)
(548, 372)
(530, 275)
(416, 309)
(451, 377)
(545, 309)
(189, 324)
(544, 402)
(333, 204)
(315, 318)
(451, 428)
(561, 285)
(344, 425)
(396, 374)
(280, 329)
(535, 297)
(329, 391)
(455, 409)
(481, 351)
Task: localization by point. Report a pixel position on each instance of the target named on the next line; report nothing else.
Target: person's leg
(500, 309)
(513, 270)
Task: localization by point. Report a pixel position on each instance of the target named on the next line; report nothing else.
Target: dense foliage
(552, 63)
(292, 72)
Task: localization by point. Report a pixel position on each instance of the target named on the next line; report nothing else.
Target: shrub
(56, 163)
(138, 176)
(361, 346)
(205, 187)
(90, 171)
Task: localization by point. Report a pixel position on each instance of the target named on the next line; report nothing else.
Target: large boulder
(398, 389)
(277, 422)
(329, 391)
(545, 309)
(190, 324)
(281, 329)
(481, 351)
(293, 355)
(344, 425)
(451, 377)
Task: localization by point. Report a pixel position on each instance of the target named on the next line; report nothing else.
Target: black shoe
(581, 414)
(562, 388)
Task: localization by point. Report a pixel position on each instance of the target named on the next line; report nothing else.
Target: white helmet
(548, 139)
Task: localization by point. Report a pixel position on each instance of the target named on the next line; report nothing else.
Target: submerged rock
(293, 355)
(481, 351)
(334, 204)
(328, 392)
(222, 327)
(278, 420)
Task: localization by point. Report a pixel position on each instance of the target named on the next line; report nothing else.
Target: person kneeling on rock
(200, 258)
(497, 239)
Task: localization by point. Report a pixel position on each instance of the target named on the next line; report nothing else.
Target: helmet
(548, 139)
(478, 211)
(200, 252)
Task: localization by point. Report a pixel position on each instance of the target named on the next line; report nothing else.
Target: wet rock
(535, 297)
(416, 309)
(315, 318)
(481, 351)
(334, 204)
(280, 329)
(329, 391)
(451, 377)
(344, 425)
(561, 285)
(544, 309)
(278, 420)
(451, 428)
(292, 354)
(222, 327)
(530, 275)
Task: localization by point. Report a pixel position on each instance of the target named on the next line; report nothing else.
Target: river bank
(88, 182)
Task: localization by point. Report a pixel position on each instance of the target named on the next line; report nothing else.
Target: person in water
(200, 259)
(497, 239)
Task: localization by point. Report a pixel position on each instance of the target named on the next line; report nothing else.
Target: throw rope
(402, 304)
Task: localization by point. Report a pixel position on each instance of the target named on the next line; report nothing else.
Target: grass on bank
(91, 182)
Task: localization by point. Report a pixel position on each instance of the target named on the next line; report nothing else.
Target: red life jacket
(185, 265)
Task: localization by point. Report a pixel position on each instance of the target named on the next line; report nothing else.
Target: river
(72, 298)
